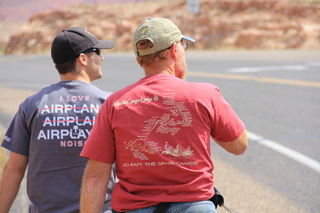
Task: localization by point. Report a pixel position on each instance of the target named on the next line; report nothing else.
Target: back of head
(69, 43)
(153, 36)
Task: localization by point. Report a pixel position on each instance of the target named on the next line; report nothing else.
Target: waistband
(160, 208)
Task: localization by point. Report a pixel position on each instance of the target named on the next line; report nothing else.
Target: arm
(94, 186)
(12, 176)
(237, 146)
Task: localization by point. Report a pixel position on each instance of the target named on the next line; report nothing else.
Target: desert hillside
(224, 24)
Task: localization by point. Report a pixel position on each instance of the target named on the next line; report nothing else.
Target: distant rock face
(225, 24)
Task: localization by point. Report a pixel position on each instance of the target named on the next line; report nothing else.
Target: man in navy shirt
(50, 128)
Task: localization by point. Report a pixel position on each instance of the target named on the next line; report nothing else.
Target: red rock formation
(252, 24)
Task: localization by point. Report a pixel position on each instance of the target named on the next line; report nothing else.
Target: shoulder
(202, 87)
(97, 91)
(54, 92)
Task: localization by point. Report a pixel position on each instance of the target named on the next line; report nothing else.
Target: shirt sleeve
(100, 145)
(226, 125)
(17, 137)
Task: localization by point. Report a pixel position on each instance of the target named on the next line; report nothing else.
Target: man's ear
(174, 51)
(82, 59)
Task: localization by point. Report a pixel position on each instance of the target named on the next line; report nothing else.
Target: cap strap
(146, 51)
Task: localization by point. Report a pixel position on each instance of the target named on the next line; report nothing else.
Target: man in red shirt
(158, 131)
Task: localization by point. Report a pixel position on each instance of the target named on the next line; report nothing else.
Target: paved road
(276, 93)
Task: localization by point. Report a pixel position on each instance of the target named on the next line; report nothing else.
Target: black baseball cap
(74, 40)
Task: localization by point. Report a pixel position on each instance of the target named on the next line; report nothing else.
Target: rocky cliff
(221, 24)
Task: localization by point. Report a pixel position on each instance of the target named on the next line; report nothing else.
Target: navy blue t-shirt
(51, 128)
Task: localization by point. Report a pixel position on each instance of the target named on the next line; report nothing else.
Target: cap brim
(188, 38)
(104, 45)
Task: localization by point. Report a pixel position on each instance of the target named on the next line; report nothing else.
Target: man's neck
(74, 77)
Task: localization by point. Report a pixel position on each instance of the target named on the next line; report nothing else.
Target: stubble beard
(182, 67)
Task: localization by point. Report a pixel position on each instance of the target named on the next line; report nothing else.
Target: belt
(160, 208)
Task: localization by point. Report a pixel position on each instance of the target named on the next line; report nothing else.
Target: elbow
(236, 147)
(242, 147)
(242, 143)
(240, 151)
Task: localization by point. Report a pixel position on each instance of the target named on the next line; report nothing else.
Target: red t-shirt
(158, 132)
